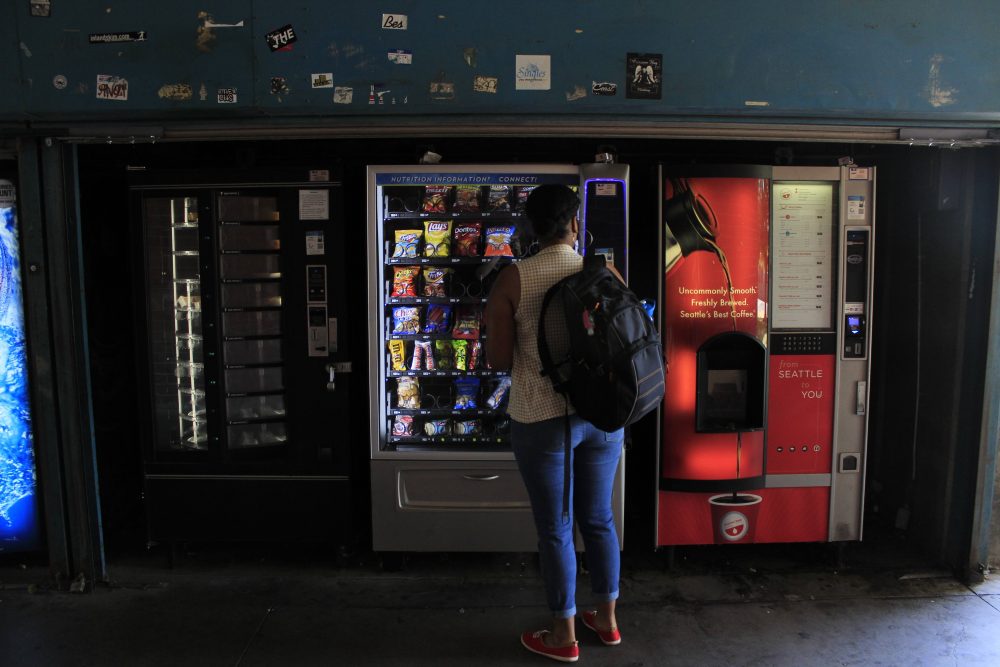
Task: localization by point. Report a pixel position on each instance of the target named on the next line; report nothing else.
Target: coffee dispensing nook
(766, 292)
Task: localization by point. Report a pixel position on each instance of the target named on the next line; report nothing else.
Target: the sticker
(857, 173)
(111, 87)
(118, 37)
(607, 189)
(314, 243)
(485, 84)
(59, 82)
(202, 92)
(319, 175)
(343, 95)
(41, 8)
(279, 86)
(227, 96)
(212, 24)
(756, 103)
(578, 93)
(376, 94)
(314, 204)
(532, 72)
(281, 39)
(471, 56)
(442, 90)
(855, 207)
(322, 80)
(401, 57)
(394, 21)
(604, 88)
(175, 91)
(644, 74)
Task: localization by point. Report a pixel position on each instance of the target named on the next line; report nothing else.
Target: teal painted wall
(866, 60)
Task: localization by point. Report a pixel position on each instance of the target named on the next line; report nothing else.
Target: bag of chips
(436, 199)
(499, 393)
(467, 239)
(466, 393)
(498, 241)
(397, 355)
(522, 197)
(466, 199)
(445, 355)
(474, 352)
(402, 426)
(407, 393)
(436, 426)
(422, 356)
(468, 427)
(405, 320)
(467, 322)
(438, 318)
(499, 198)
(407, 241)
(437, 238)
(461, 350)
(434, 281)
(404, 282)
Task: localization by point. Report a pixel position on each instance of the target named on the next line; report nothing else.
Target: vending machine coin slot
(318, 334)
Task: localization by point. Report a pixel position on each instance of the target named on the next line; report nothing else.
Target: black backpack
(613, 371)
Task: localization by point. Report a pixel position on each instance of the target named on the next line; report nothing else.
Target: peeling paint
(578, 93)
(938, 95)
(25, 50)
(470, 56)
(178, 92)
(205, 34)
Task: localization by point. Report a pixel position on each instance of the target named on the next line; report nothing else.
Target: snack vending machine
(20, 528)
(443, 474)
(243, 310)
(767, 297)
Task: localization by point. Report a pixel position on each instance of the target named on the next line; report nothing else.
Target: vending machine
(243, 313)
(20, 528)
(443, 474)
(767, 297)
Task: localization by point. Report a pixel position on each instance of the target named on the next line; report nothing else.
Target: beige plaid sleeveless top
(532, 398)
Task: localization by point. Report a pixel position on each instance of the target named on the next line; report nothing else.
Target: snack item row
(463, 321)
(441, 238)
(463, 394)
(405, 426)
(473, 198)
(438, 355)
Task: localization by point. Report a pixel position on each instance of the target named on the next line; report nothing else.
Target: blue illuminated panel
(18, 498)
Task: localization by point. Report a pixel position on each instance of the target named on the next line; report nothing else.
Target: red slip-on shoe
(610, 638)
(533, 642)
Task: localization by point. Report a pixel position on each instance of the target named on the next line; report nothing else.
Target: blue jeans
(539, 449)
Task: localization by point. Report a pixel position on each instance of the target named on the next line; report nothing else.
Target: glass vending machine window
(174, 279)
(250, 272)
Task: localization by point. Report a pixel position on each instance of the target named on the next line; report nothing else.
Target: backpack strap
(544, 354)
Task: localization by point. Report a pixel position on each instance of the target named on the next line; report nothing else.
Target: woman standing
(537, 415)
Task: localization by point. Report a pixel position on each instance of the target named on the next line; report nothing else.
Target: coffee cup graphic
(734, 517)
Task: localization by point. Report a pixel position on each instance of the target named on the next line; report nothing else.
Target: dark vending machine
(248, 373)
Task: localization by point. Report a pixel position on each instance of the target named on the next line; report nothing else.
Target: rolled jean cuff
(566, 613)
(605, 597)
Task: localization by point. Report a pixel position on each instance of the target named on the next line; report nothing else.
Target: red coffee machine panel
(800, 414)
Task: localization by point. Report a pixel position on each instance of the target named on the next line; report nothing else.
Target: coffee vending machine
(767, 300)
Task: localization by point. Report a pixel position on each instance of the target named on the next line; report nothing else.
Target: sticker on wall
(117, 37)
(485, 84)
(603, 88)
(178, 92)
(343, 95)
(400, 56)
(470, 56)
(41, 8)
(279, 86)
(855, 207)
(644, 74)
(319, 175)
(314, 204)
(281, 39)
(59, 82)
(394, 22)
(442, 90)
(226, 95)
(322, 80)
(578, 93)
(111, 87)
(202, 93)
(532, 72)
(376, 94)
(314, 243)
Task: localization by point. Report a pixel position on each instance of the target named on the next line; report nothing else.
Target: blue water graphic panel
(18, 499)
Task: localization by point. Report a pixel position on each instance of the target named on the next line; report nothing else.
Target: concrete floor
(874, 604)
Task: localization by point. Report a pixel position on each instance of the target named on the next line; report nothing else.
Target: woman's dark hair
(550, 208)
